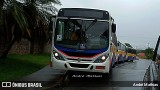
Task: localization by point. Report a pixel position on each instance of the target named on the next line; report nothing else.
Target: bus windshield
(81, 34)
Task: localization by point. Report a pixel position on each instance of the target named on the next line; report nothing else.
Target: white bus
(84, 40)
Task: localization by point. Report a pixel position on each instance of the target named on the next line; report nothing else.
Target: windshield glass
(82, 34)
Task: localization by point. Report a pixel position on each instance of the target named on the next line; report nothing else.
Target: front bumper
(81, 66)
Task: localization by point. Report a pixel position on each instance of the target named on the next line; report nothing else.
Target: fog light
(100, 67)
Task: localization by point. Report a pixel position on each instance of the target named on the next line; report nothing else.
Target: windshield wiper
(91, 24)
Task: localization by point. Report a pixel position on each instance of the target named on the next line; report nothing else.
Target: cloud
(137, 20)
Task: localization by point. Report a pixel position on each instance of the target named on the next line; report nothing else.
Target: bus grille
(79, 54)
(79, 65)
(77, 59)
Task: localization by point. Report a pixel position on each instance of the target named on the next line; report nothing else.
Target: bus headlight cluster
(57, 55)
(101, 59)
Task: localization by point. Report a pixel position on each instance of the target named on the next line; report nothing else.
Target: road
(121, 78)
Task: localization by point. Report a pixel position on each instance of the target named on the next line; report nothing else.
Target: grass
(17, 66)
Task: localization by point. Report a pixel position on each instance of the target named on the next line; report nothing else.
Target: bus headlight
(57, 55)
(101, 59)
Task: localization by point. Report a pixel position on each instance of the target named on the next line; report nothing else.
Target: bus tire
(110, 72)
(117, 62)
(113, 66)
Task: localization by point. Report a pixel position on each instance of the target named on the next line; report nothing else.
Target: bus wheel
(113, 66)
(110, 72)
(117, 62)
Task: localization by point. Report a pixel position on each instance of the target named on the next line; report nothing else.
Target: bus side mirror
(117, 44)
(52, 23)
(113, 28)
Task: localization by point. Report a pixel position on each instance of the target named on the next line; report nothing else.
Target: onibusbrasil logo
(20, 84)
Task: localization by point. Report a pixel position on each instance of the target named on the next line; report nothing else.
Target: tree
(27, 19)
(129, 45)
(149, 53)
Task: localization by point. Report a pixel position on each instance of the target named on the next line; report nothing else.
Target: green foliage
(1, 17)
(17, 66)
(28, 19)
(149, 53)
(48, 1)
(129, 45)
(20, 19)
(140, 51)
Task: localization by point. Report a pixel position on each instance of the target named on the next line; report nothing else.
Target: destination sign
(83, 13)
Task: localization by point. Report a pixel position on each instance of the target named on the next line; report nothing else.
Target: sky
(138, 21)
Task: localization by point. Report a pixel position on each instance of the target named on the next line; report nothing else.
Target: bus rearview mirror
(52, 23)
(118, 44)
(113, 28)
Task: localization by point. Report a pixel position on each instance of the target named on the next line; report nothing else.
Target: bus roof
(83, 13)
